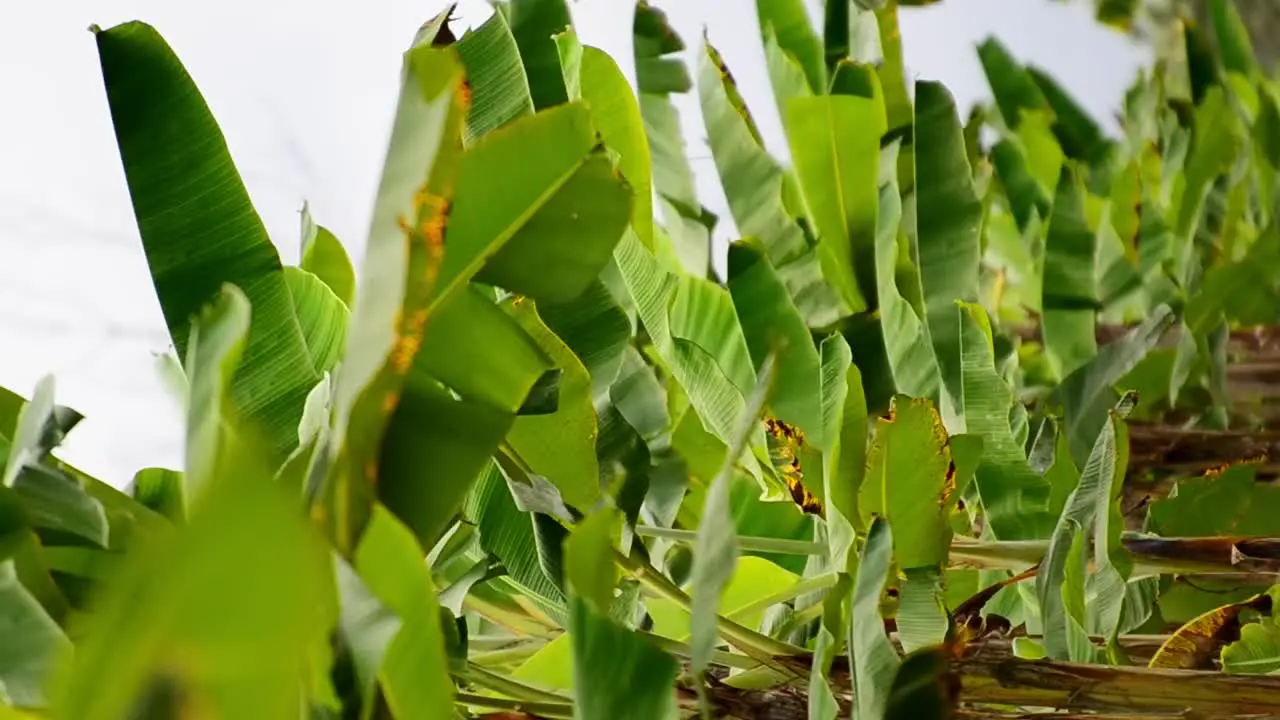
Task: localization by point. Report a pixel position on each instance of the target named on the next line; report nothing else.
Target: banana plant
(533, 459)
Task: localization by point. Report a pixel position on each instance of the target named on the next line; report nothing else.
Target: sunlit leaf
(557, 223)
(911, 481)
(560, 445)
(589, 561)
(754, 579)
(322, 317)
(28, 430)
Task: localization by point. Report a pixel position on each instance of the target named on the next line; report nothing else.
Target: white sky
(304, 92)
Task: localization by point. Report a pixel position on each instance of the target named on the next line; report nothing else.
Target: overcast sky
(304, 92)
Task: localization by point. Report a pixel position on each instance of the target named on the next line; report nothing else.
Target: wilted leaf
(1195, 645)
(389, 312)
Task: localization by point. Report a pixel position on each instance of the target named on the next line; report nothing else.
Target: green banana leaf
(754, 185)
(534, 23)
(594, 78)
(788, 22)
(500, 90)
(947, 223)
(659, 74)
(324, 256)
(835, 146)
(174, 158)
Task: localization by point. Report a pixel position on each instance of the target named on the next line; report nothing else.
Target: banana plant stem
(556, 710)
(756, 644)
(511, 688)
(753, 544)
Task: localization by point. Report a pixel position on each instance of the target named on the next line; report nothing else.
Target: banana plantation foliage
(974, 426)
